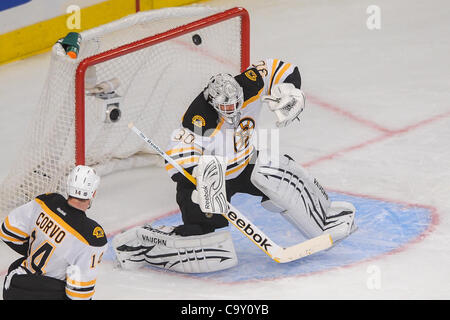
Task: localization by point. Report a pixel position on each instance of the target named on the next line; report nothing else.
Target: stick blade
(304, 249)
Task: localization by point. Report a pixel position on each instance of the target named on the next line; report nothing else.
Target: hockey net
(160, 61)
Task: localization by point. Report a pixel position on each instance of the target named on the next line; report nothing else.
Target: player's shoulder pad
(93, 233)
(200, 117)
(251, 82)
(89, 229)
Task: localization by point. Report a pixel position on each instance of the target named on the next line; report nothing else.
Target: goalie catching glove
(286, 101)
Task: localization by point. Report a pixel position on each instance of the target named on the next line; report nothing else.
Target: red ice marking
(346, 150)
(387, 133)
(347, 114)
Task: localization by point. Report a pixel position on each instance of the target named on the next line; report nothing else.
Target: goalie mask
(226, 96)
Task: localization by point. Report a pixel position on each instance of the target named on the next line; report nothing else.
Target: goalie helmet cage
(159, 61)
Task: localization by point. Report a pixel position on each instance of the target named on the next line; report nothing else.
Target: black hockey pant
(32, 286)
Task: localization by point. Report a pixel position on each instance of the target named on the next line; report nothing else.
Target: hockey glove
(286, 101)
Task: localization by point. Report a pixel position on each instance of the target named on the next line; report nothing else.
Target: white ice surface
(380, 102)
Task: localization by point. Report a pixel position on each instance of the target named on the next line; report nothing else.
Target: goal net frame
(146, 42)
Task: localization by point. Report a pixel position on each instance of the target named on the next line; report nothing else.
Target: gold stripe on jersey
(252, 99)
(192, 159)
(240, 162)
(250, 148)
(61, 222)
(241, 166)
(14, 230)
(281, 72)
(81, 283)
(274, 65)
(80, 289)
(10, 239)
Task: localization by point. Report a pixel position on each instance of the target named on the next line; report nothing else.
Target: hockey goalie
(213, 144)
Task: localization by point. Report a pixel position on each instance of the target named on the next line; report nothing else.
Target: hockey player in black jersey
(60, 245)
(221, 121)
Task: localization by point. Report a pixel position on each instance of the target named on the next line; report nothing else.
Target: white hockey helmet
(82, 182)
(226, 96)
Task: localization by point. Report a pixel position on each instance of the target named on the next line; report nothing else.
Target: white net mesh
(157, 84)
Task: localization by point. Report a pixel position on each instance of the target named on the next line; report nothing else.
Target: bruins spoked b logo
(243, 133)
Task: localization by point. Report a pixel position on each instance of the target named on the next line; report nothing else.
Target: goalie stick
(274, 251)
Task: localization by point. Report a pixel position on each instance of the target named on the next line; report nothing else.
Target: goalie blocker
(210, 193)
(161, 248)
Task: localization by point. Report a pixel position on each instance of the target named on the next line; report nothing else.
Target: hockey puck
(196, 39)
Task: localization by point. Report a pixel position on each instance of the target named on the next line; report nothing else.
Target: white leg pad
(344, 214)
(160, 248)
(126, 245)
(301, 199)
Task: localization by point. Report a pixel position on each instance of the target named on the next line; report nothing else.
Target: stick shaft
(163, 154)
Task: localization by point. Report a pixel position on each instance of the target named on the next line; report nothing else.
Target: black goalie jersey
(204, 132)
(58, 241)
